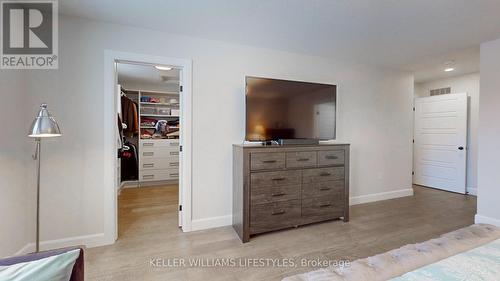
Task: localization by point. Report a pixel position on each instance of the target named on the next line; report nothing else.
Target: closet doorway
(152, 135)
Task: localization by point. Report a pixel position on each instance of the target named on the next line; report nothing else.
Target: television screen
(282, 109)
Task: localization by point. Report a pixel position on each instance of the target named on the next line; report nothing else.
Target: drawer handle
(303, 159)
(148, 144)
(148, 165)
(278, 194)
(174, 153)
(174, 144)
(148, 176)
(324, 188)
(325, 174)
(174, 164)
(174, 175)
(280, 212)
(268, 161)
(331, 157)
(278, 179)
(148, 153)
(325, 205)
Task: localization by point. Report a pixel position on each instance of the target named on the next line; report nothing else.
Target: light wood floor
(148, 229)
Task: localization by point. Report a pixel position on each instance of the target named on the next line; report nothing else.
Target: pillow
(53, 268)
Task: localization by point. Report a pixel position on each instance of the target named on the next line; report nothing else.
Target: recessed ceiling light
(448, 69)
(161, 67)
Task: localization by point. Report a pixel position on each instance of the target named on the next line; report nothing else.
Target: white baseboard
(355, 200)
(28, 248)
(484, 219)
(207, 223)
(89, 241)
(95, 240)
(211, 222)
(472, 191)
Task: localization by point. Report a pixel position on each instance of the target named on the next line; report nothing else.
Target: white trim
(488, 220)
(207, 223)
(355, 200)
(25, 250)
(472, 191)
(92, 240)
(110, 145)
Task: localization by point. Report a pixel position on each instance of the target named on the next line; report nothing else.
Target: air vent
(441, 91)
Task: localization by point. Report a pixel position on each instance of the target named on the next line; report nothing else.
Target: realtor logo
(29, 35)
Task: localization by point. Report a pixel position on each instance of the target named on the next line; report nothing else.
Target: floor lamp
(44, 126)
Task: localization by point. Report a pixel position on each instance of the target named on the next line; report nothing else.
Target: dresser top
(259, 145)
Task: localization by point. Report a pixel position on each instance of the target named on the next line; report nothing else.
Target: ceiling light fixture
(161, 67)
(448, 69)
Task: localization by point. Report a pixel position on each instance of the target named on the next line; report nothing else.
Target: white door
(441, 142)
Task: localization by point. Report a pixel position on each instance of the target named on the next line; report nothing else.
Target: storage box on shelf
(155, 106)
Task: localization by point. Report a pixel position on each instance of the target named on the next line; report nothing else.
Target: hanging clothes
(130, 163)
(136, 118)
(130, 115)
(120, 133)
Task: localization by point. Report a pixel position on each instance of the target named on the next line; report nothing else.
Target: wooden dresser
(277, 187)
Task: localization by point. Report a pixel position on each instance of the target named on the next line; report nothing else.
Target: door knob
(460, 148)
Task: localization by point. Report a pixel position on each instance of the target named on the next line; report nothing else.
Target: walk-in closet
(148, 106)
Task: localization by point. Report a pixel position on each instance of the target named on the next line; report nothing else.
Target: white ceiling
(146, 77)
(432, 68)
(389, 33)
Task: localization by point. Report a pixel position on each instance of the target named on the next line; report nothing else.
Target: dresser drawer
(280, 178)
(323, 207)
(158, 163)
(271, 194)
(267, 217)
(301, 159)
(323, 189)
(159, 143)
(159, 152)
(159, 175)
(322, 174)
(267, 161)
(331, 157)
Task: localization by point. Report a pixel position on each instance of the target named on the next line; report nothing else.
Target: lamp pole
(37, 157)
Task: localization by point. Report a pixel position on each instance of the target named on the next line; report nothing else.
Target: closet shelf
(152, 127)
(159, 103)
(159, 115)
(147, 92)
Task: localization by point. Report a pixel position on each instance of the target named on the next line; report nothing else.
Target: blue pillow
(54, 268)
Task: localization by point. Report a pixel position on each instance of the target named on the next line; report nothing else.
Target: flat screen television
(281, 109)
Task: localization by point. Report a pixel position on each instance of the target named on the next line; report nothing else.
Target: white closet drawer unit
(174, 143)
(158, 152)
(158, 163)
(159, 175)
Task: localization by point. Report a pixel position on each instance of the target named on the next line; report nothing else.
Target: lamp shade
(44, 125)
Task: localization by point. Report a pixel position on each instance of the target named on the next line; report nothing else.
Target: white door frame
(110, 136)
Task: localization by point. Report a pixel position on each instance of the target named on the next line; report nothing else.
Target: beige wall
(488, 207)
(17, 189)
(374, 109)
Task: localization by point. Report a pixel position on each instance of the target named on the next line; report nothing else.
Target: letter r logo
(27, 27)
